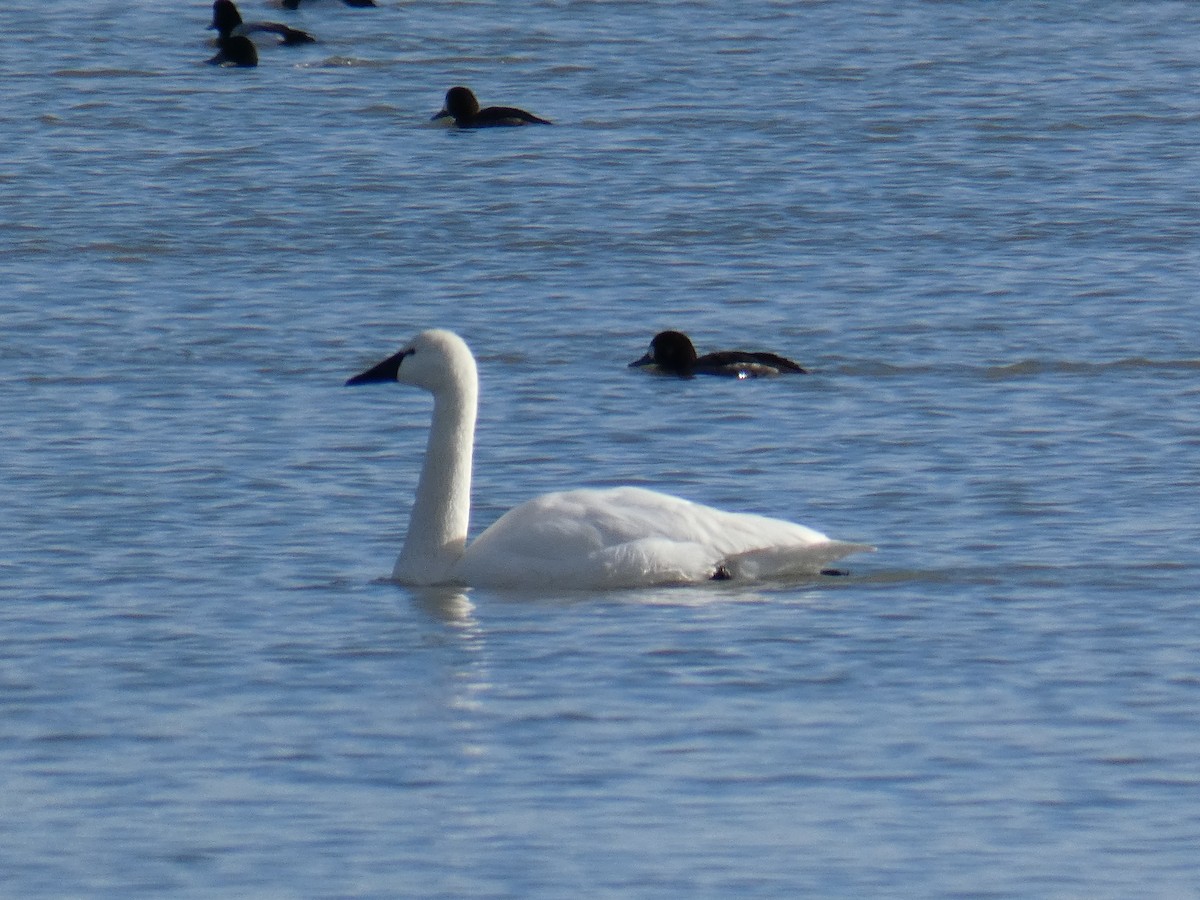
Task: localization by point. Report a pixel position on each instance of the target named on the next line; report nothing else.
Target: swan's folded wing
(584, 539)
(625, 537)
(785, 562)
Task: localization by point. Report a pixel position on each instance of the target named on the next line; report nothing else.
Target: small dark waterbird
(462, 106)
(672, 353)
(227, 22)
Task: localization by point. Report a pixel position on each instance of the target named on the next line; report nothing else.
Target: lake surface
(977, 222)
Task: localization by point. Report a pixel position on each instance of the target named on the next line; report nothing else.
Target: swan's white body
(612, 538)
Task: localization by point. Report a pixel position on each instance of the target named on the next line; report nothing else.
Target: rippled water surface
(978, 223)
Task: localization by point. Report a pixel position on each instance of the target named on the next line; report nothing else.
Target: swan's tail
(788, 562)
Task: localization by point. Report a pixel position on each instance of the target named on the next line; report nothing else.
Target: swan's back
(626, 537)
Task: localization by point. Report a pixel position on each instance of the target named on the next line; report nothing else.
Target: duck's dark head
(671, 352)
(460, 104)
(225, 18)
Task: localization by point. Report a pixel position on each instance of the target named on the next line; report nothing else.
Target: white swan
(613, 538)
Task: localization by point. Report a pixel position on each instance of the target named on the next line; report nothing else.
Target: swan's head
(434, 360)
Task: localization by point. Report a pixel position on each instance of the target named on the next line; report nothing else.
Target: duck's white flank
(611, 538)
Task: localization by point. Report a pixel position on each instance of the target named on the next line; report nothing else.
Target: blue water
(977, 222)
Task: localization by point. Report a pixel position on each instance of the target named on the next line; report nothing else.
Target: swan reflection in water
(446, 604)
(467, 668)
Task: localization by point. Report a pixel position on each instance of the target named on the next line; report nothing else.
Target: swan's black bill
(384, 371)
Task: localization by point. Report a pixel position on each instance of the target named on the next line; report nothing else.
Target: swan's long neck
(437, 528)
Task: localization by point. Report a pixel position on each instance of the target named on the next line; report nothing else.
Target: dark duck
(227, 22)
(462, 106)
(672, 353)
